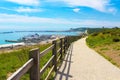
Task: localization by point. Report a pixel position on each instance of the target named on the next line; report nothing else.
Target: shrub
(94, 34)
(116, 39)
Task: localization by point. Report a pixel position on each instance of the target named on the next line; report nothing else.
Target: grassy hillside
(107, 43)
(11, 61)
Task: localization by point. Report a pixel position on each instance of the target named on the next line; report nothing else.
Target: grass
(104, 37)
(11, 61)
(107, 43)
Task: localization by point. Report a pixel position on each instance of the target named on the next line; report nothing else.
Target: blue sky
(58, 14)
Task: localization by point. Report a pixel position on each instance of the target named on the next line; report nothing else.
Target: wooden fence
(33, 64)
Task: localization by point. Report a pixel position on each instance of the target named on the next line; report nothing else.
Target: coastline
(11, 45)
(19, 35)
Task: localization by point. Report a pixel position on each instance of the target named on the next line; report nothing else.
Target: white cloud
(7, 19)
(100, 5)
(27, 9)
(23, 9)
(6, 8)
(96, 4)
(76, 10)
(112, 10)
(26, 2)
(26, 19)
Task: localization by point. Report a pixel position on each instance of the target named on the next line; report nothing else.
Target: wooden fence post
(61, 46)
(54, 52)
(35, 69)
(68, 42)
(65, 45)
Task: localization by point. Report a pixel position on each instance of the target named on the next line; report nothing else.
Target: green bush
(116, 39)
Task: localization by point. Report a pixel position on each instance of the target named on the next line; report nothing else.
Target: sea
(17, 35)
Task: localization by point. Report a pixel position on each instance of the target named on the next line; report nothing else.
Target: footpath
(83, 63)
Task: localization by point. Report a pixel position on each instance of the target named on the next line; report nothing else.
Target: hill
(107, 43)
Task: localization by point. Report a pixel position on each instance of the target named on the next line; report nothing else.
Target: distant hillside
(97, 30)
(77, 29)
(90, 30)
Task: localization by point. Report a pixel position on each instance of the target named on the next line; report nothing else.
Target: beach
(12, 45)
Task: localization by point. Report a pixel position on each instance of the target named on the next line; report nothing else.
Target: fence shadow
(64, 69)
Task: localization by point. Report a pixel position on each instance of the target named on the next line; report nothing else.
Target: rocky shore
(31, 40)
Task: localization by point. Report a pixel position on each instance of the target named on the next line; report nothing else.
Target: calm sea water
(17, 35)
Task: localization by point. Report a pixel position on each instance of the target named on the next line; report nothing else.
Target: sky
(58, 14)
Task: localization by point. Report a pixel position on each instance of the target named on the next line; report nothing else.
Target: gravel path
(83, 63)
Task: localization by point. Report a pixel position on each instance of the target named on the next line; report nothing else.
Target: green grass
(11, 61)
(106, 40)
(105, 37)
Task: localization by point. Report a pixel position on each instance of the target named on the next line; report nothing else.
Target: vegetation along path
(83, 63)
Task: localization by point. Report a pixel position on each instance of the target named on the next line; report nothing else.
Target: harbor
(34, 38)
(17, 39)
(19, 35)
(30, 40)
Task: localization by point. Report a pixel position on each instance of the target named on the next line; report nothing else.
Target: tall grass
(11, 61)
(105, 37)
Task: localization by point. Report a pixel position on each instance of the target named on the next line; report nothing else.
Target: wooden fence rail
(33, 64)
